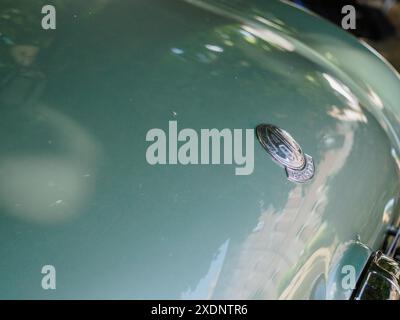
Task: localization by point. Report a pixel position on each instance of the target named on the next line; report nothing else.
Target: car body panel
(77, 193)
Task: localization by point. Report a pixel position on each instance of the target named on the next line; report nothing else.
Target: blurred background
(378, 22)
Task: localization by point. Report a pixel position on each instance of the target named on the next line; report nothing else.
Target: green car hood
(76, 191)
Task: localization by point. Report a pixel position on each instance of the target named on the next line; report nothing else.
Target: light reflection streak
(205, 287)
(270, 37)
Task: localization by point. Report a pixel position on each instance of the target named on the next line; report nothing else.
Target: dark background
(378, 22)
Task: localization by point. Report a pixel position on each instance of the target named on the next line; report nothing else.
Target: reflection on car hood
(76, 191)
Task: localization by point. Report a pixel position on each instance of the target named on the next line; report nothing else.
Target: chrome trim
(286, 152)
(395, 242)
(381, 281)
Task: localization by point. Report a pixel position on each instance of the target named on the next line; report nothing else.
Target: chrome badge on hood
(285, 151)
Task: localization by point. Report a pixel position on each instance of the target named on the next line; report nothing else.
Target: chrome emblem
(286, 152)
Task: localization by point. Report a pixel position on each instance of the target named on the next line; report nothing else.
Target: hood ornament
(286, 152)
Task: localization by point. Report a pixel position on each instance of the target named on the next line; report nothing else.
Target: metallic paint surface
(76, 190)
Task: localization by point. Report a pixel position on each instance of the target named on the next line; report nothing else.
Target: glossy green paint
(76, 191)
